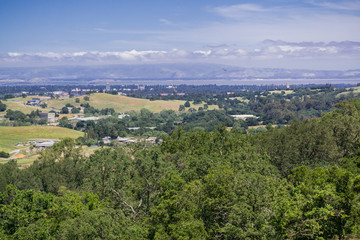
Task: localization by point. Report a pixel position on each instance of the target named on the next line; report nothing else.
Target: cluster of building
(108, 140)
(51, 118)
(244, 116)
(171, 94)
(36, 101)
(38, 144)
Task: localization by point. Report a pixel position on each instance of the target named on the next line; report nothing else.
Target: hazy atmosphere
(310, 34)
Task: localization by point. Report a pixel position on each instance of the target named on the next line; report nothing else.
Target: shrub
(4, 154)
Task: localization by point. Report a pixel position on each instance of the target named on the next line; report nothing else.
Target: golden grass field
(119, 103)
(240, 99)
(287, 92)
(355, 90)
(102, 100)
(10, 136)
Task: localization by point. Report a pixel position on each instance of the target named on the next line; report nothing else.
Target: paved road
(14, 153)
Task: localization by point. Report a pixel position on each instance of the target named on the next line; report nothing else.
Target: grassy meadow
(10, 136)
(354, 90)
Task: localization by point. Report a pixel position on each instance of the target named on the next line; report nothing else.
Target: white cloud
(76, 54)
(235, 11)
(202, 53)
(130, 32)
(310, 53)
(166, 22)
(15, 54)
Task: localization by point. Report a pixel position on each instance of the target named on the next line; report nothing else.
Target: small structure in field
(51, 118)
(244, 116)
(151, 139)
(106, 140)
(46, 144)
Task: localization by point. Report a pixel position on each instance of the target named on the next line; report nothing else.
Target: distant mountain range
(169, 74)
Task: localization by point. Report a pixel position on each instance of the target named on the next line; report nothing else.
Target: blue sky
(295, 34)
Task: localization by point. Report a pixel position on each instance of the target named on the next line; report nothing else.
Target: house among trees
(244, 116)
(51, 118)
(151, 139)
(33, 102)
(43, 145)
(106, 140)
(122, 115)
(120, 139)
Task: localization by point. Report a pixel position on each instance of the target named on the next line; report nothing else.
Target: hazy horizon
(311, 34)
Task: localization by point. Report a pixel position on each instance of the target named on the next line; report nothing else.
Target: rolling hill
(119, 103)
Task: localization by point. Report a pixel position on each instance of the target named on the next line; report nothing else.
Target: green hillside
(10, 136)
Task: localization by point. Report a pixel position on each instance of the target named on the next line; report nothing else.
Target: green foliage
(69, 105)
(2, 106)
(181, 108)
(15, 115)
(209, 120)
(315, 142)
(103, 223)
(29, 214)
(18, 118)
(109, 127)
(64, 110)
(64, 122)
(75, 110)
(60, 166)
(9, 174)
(4, 154)
(174, 217)
(321, 205)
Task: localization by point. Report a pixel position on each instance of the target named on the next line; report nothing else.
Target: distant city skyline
(280, 34)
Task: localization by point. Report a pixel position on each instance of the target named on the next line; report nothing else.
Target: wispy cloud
(235, 9)
(130, 32)
(166, 22)
(239, 11)
(338, 5)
